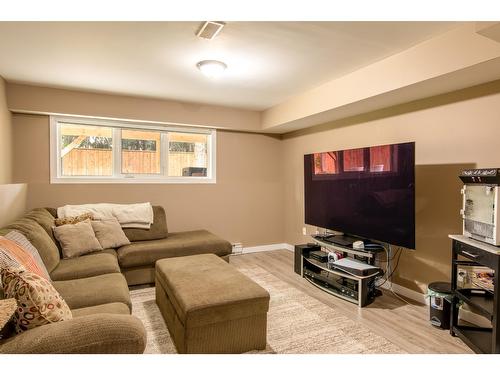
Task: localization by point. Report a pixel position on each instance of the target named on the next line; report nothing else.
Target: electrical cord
(389, 275)
(399, 297)
(388, 259)
(390, 278)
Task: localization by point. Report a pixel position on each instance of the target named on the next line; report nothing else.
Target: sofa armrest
(90, 334)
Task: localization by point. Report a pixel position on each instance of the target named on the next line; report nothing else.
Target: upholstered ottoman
(209, 306)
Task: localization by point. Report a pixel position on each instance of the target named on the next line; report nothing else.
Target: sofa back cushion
(157, 231)
(40, 239)
(44, 218)
(52, 211)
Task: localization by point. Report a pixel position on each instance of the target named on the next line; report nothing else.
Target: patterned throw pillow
(13, 255)
(73, 219)
(6, 261)
(37, 300)
(22, 241)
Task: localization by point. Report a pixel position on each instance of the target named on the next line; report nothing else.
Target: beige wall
(5, 137)
(13, 198)
(258, 198)
(36, 99)
(452, 132)
(245, 205)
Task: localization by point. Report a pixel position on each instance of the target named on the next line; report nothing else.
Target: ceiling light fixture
(211, 68)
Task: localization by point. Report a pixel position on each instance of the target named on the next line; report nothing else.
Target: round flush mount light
(211, 68)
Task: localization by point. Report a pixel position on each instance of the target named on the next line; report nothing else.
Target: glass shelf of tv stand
(324, 267)
(370, 254)
(350, 299)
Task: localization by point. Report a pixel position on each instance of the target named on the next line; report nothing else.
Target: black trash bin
(440, 304)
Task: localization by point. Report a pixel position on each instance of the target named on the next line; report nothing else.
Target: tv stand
(339, 282)
(341, 240)
(367, 254)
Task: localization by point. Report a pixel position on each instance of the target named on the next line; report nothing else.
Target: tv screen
(366, 192)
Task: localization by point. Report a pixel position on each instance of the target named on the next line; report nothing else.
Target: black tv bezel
(411, 244)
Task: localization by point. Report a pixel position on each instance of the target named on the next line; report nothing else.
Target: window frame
(118, 177)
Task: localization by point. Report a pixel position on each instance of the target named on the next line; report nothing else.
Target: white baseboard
(405, 292)
(276, 246)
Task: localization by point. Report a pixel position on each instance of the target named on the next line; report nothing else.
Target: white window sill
(181, 180)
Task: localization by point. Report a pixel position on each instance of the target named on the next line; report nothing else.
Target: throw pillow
(109, 233)
(37, 300)
(13, 255)
(22, 241)
(6, 261)
(73, 219)
(77, 239)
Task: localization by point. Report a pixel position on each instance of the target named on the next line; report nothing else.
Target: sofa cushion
(108, 308)
(77, 239)
(44, 218)
(95, 290)
(39, 238)
(176, 244)
(91, 334)
(52, 211)
(38, 302)
(85, 266)
(110, 251)
(158, 229)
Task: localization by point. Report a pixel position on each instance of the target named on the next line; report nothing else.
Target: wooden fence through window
(95, 162)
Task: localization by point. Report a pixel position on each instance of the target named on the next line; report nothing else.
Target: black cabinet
(469, 252)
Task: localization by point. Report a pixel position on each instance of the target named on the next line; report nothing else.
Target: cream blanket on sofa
(138, 215)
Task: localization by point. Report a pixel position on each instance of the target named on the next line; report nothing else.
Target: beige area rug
(297, 323)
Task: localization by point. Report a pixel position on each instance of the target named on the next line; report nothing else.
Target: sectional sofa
(95, 286)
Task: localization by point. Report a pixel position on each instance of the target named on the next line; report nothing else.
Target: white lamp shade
(211, 68)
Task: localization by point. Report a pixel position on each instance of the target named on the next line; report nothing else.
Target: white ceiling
(268, 62)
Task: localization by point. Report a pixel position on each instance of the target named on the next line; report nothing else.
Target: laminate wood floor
(405, 325)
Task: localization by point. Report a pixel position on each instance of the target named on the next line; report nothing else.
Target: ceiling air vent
(210, 29)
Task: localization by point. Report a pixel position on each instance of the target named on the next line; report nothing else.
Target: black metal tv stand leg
(454, 300)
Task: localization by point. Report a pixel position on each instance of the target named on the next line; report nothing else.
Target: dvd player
(319, 255)
(328, 283)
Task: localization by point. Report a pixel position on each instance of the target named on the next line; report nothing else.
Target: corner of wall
(5, 137)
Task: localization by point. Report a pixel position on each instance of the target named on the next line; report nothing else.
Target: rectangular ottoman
(209, 306)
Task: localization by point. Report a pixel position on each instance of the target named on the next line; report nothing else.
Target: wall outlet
(304, 231)
(237, 248)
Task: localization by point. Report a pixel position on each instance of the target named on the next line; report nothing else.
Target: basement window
(86, 150)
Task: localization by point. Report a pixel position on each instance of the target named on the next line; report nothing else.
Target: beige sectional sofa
(95, 286)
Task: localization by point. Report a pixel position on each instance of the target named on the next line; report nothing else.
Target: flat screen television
(365, 192)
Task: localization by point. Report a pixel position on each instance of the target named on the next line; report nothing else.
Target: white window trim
(118, 177)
